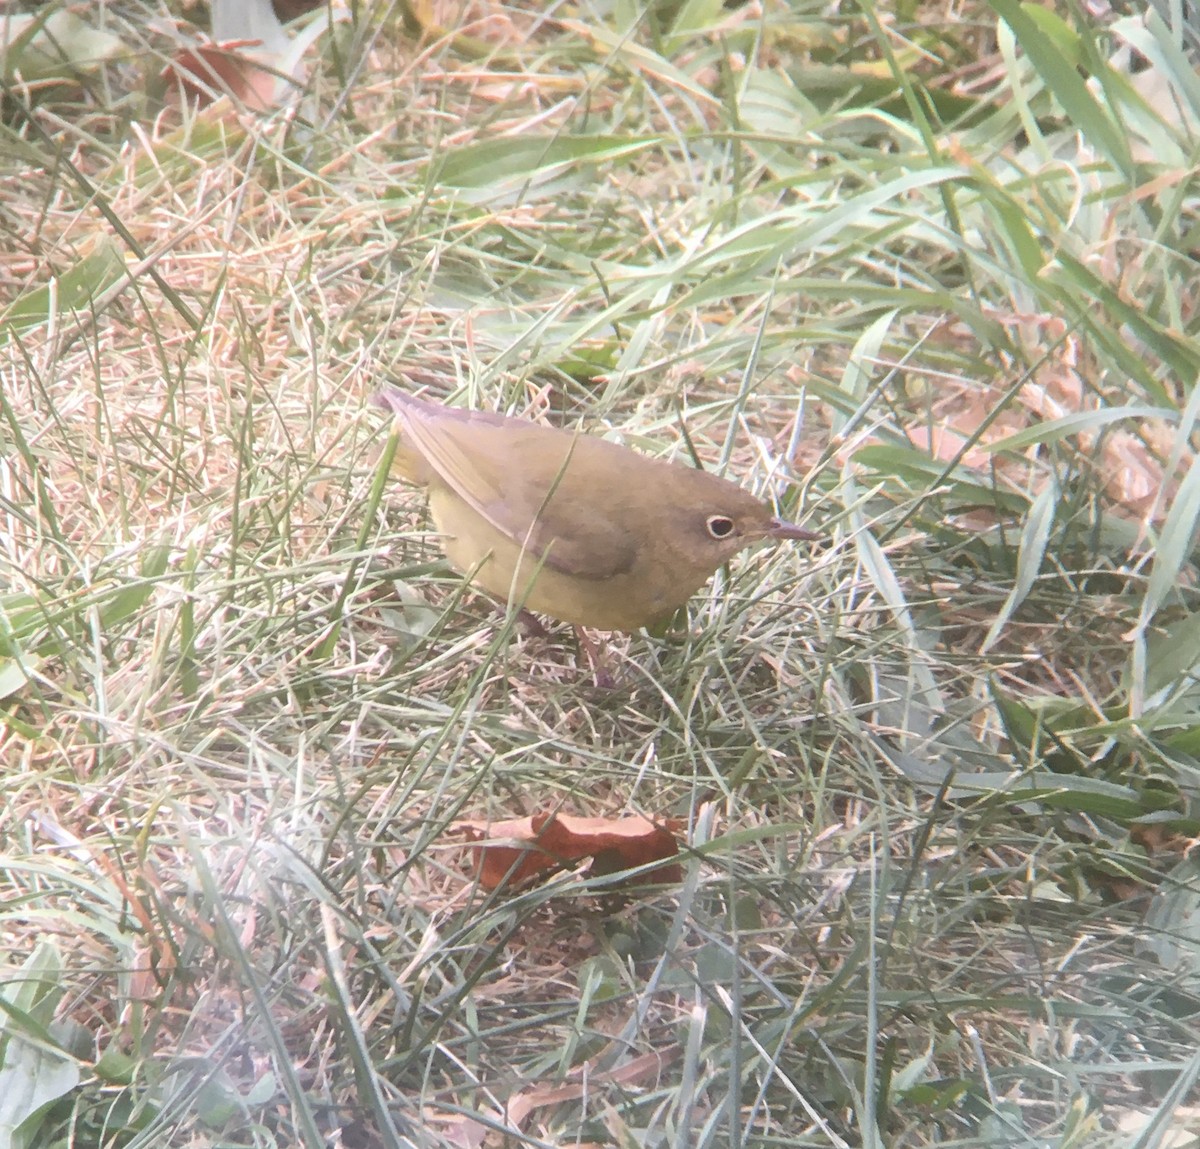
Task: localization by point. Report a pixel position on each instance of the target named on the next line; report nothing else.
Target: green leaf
(34, 1072)
(76, 290)
(1030, 555)
(1075, 281)
(14, 674)
(116, 1067)
(1013, 217)
(1172, 653)
(32, 1079)
(1075, 792)
(1151, 36)
(694, 16)
(1020, 723)
(502, 165)
(1173, 553)
(861, 87)
(864, 361)
(909, 1076)
(1052, 430)
(218, 1101)
(52, 44)
(34, 992)
(128, 600)
(919, 470)
(413, 621)
(769, 104)
(1172, 932)
(1052, 49)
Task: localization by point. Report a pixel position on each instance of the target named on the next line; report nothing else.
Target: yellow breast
(499, 566)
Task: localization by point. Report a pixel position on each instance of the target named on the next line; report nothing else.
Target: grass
(926, 277)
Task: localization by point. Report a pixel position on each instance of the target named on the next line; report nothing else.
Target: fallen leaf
(55, 46)
(206, 72)
(645, 1069)
(515, 851)
(462, 1131)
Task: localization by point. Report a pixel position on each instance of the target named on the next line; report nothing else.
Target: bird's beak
(782, 529)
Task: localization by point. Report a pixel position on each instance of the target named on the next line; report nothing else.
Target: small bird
(569, 525)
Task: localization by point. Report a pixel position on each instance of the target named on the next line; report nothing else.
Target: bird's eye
(719, 526)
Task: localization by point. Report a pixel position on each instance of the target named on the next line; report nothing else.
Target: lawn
(925, 278)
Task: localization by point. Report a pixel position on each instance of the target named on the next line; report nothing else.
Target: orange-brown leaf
(515, 851)
(207, 71)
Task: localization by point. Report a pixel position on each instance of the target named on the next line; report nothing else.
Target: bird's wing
(496, 469)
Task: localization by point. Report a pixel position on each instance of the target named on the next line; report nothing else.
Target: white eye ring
(719, 527)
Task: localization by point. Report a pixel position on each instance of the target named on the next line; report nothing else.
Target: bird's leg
(531, 624)
(595, 652)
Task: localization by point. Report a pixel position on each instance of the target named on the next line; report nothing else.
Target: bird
(569, 525)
